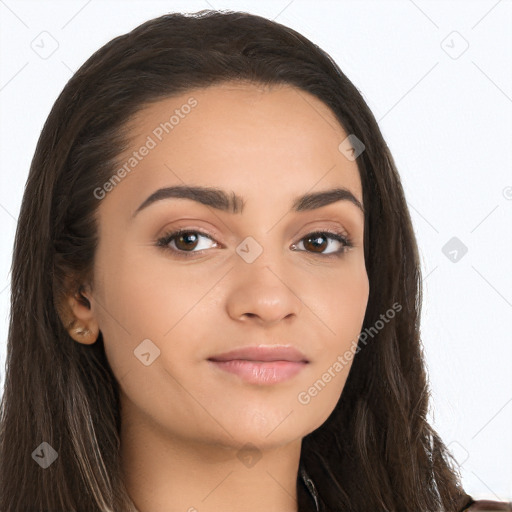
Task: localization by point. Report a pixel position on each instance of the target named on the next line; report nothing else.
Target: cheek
(136, 301)
(343, 303)
(147, 295)
(339, 312)
(344, 314)
(350, 307)
(345, 307)
(169, 303)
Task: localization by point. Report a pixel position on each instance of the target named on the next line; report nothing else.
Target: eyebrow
(232, 203)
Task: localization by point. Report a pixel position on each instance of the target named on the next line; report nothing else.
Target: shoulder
(489, 506)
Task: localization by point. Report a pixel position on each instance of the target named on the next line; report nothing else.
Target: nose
(262, 296)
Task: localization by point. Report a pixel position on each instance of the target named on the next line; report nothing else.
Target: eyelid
(177, 228)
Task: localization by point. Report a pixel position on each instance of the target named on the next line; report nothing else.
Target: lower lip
(261, 372)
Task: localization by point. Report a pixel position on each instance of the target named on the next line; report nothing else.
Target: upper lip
(262, 353)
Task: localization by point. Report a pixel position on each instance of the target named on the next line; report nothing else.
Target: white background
(446, 115)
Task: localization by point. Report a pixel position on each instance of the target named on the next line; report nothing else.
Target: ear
(78, 317)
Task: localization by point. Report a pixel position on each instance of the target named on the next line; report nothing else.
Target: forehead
(262, 142)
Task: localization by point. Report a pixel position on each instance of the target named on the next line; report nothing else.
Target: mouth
(261, 372)
(261, 365)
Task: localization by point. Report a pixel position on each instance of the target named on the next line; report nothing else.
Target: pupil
(186, 237)
(316, 238)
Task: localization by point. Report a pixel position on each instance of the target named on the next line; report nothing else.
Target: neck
(168, 473)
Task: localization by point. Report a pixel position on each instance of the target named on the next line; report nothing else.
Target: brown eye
(184, 241)
(318, 242)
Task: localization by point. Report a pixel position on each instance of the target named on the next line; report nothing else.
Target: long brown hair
(376, 451)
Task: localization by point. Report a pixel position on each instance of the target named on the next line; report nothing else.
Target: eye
(317, 242)
(185, 241)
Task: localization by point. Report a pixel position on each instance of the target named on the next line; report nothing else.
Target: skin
(184, 425)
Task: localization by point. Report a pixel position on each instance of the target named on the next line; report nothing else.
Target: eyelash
(164, 242)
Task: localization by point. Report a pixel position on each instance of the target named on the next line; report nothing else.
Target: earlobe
(84, 335)
(81, 325)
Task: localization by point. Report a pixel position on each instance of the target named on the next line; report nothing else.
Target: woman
(216, 290)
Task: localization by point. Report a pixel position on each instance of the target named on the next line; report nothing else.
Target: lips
(260, 365)
(262, 353)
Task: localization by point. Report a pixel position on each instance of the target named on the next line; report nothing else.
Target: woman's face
(261, 273)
